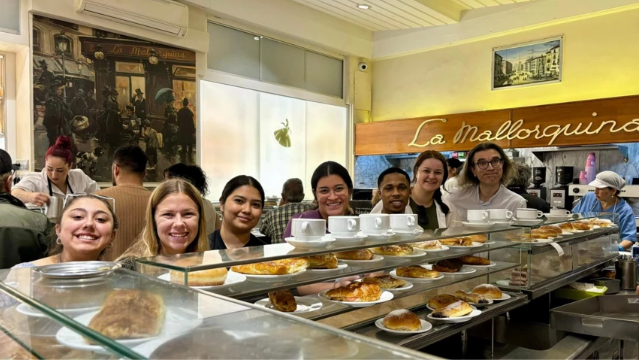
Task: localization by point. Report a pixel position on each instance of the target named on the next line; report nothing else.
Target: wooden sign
(613, 120)
(139, 51)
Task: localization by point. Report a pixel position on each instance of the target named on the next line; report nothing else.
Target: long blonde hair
(148, 243)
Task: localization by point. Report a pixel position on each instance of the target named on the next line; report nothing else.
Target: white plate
(578, 231)
(305, 305)
(491, 264)
(322, 243)
(407, 286)
(386, 296)
(474, 245)
(424, 327)
(540, 240)
(232, 278)
(465, 270)
(476, 305)
(482, 225)
(416, 280)
(27, 310)
(476, 312)
(528, 221)
(415, 232)
(559, 218)
(566, 233)
(416, 253)
(340, 266)
(271, 278)
(377, 237)
(444, 248)
(176, 322)
(503, 298)
(505, 283)
(503, 223)
(376, 258)
(346, 241)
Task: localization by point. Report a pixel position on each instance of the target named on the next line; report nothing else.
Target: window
(36, 40)
(129, 77)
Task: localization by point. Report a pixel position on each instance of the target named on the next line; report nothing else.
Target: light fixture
(99, 54)
(153, 60)
(363, 7)
(256, 38)
(79, 66)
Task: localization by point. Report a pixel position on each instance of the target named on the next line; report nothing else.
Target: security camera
(363, 66)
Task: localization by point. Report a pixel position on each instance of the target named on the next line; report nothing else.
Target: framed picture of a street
(105, 90)
(533, 63)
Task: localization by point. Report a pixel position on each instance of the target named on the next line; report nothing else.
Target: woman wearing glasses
(429, 173)
(56, 179)
(482, 182)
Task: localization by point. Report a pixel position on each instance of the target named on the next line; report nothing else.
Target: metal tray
(613, 316)
(75, 270)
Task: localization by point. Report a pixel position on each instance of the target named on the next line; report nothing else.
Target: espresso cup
(528, 213)
(374, 223)
(308, 229)
(500, 214)
(344, 226)
(477, 215)
(403, 222)
(559, 212)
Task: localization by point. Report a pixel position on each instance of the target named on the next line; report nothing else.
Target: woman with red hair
(56, 179)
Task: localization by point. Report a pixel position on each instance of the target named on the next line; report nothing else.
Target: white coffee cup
(403, 222)
(500, 214)
(477, 215)
(528, 213)
(374, 223)
(559, 212)
(308, 229)
(344, 226)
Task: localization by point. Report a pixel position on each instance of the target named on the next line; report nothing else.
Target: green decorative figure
(282, 135)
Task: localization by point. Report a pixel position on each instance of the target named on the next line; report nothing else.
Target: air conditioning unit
(163, 16)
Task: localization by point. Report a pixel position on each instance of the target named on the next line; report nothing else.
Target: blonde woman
(174, 224)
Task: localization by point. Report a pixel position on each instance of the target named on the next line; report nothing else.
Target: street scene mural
(106, 90)
(536, 62)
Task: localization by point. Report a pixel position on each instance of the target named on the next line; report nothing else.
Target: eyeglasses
(495, 163)
(111, 201)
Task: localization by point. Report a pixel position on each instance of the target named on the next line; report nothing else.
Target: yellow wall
(600, 61)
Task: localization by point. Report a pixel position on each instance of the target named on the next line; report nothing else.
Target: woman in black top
(241, 205)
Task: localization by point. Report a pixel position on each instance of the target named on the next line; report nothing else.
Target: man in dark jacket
(140, 104)
(520, 184)
(57, 113)
(78, 104)
(186, 131)
(24, 235)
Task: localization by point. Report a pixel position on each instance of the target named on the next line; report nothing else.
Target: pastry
(553, 230)
(210, 277)
(541, 234)
(395, 250)
(473, 260)
(385, 281)
(480, 238)
(359, 255)
(456, 309)
(427, 245)
(279, 267)
(416, 272)
(470, 297)
(518, 277)
(448, 265)
(581, 225)
(402, 320)
(441, 301)
(283, 300)
(450, 241)
(488, 291)
(601, 222)
(128, 314)
(566, 226)
(355, 292)
(323, 261)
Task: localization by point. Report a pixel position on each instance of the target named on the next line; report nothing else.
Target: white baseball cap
(608, 179)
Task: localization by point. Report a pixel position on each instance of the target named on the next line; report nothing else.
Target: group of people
(127, 221)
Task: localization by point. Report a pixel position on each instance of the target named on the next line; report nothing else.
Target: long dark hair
(331, 168)
(239, 181)
(432, 154)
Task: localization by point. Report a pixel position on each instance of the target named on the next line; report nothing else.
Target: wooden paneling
(601, 121)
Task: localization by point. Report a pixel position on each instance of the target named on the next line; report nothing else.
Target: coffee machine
(539, 177)
(560, 196)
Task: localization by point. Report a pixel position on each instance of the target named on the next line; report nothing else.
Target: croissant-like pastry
(473, 260)
(385, 281)
(416, 272)
(326, 261)
(470, 297)
(283, 300)
(441, 301)
(279, 267)
(394, 250)
(355, 292)
(456, 309)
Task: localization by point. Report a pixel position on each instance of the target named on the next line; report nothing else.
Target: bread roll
(323, 261)
(416, 272)
(209, 277)
(470, 297)
(488, 291)
(450, 241)
(395, 250)
(402, 320)
(456, 309)
(357, 255)
(473, 260)
(385, 281)
(540, 234)
(581, 225)
(427, 245)
(566, 226)
(283, 300)
(442, 301)
(553, 230)
(279, 267)
(355, 292)
(480, 238)
(448, 265)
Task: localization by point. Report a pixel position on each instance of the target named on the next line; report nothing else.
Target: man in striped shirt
(275, 222)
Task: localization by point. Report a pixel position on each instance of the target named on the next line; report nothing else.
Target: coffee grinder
(560, 196)
(539, 177)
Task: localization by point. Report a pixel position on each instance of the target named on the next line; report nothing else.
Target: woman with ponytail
(56, 179)
(429, 174)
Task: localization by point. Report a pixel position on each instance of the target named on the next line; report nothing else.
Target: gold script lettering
(415, 137)
(468, 128)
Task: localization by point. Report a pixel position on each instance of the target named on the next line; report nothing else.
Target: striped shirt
(275, 222)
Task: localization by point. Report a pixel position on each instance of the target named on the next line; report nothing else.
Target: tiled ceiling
(400, 14)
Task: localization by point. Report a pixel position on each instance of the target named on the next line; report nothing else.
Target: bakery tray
(613, 316)
(75, 270)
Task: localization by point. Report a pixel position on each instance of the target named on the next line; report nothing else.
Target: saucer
(478, 224)
(377, 237)
(407, 231)
(503, 223)
(557, 218)
(347, 241)
(528, 221)
(322, 243)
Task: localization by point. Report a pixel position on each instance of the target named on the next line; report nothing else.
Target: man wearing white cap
(606, 199)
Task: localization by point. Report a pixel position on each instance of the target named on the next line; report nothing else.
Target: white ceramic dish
(502, 223)
(305, 305)
(491, 264)
(232, 279)
(407, 286)
(504, 297)
(325, 270)
(322, 243)
(27, 310)
(386, 296)
(482, 225)
(527, 222)
(424, 327)
(416, 253)
(474, 245)
(465, 270)
(272, 278)
(505, 283)
(476, 312)
(176, 322)
(376, 258)
(416, 280)
(476, 305)
(444, 248)
(346, 241)
(377, 237)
